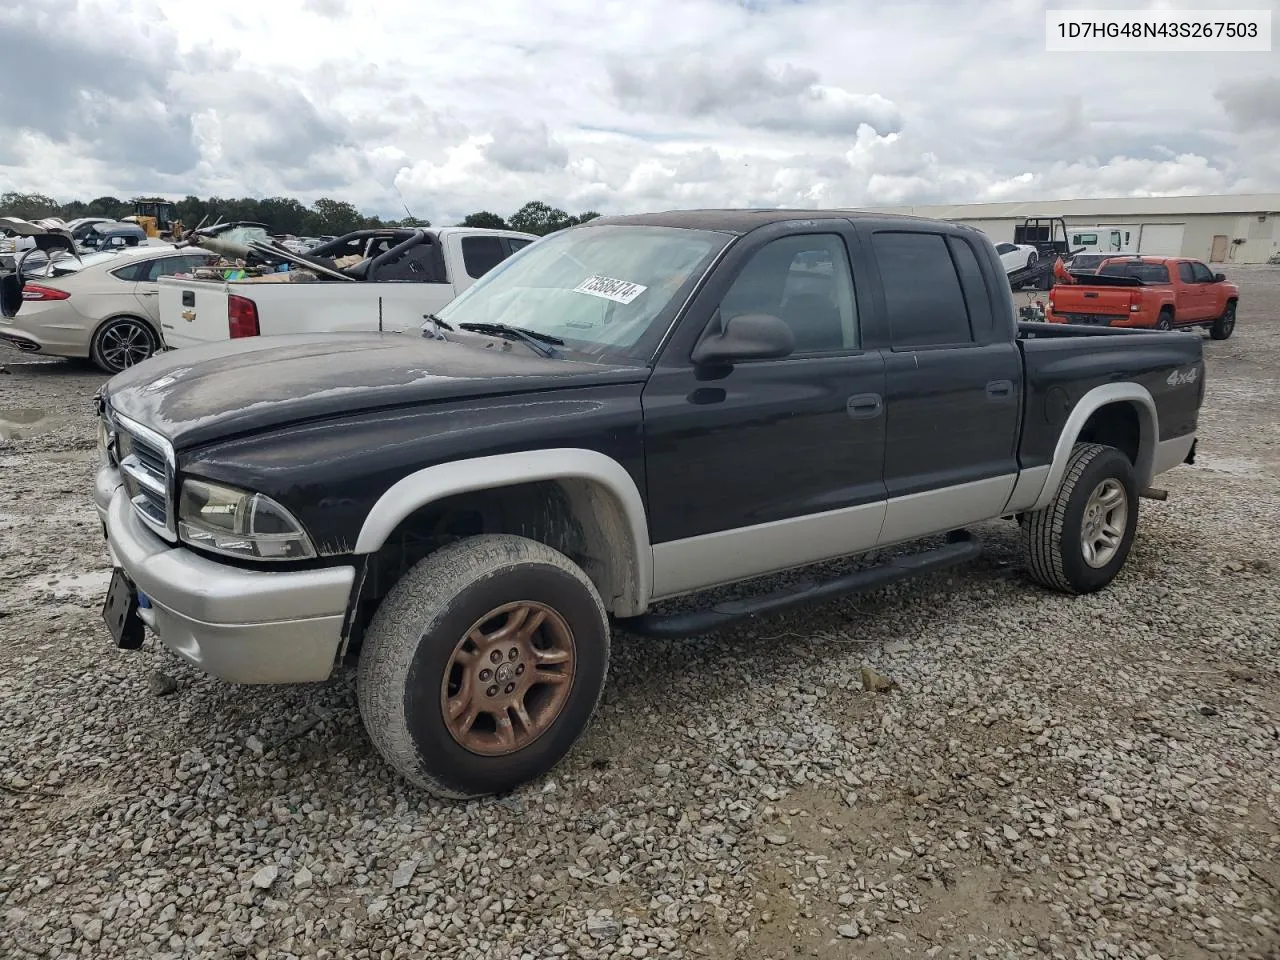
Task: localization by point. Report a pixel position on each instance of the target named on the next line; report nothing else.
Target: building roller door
(1161, 239)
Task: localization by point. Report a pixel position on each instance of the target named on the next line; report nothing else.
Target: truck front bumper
(244, 626)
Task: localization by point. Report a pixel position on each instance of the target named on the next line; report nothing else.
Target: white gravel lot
(1074, 778)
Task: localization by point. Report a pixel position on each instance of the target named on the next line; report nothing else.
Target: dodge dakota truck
(404, 274)
(1162, 293)
(632, 410)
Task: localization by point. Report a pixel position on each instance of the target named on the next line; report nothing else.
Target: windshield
(1146, 272)
(603, 290)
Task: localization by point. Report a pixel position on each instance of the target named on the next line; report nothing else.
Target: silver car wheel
(124, 343)
(1106, 516)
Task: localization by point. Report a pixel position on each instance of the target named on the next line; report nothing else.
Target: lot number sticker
(619, 291)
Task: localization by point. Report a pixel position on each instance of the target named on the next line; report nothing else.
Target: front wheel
(121, 343)
(1079, 542)
(1225, 324)
(483, 665)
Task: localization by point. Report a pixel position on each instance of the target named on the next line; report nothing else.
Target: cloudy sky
(615, 105)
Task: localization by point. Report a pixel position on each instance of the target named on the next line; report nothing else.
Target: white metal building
(1230, 228)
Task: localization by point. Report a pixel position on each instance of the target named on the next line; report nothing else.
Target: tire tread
(1043, 529)
(407, 613)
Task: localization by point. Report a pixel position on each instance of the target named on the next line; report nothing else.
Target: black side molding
(961, 547)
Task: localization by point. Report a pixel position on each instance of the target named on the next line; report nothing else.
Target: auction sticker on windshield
(619, 291)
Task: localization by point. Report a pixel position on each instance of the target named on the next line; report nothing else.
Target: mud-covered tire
(410, 646)
(1165, 320)
(1225, 325)
(1053, 536)
(121, 343)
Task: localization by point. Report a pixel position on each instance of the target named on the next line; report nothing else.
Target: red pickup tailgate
(1093, 305)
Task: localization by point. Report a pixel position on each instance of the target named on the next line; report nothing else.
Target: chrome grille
(146, 463)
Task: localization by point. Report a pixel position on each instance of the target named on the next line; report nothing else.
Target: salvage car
(101, 306)
(1017, 256)
(1161, 293)
(393, 278)
(631, 410)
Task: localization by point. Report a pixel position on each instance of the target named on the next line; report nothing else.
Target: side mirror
(749, 336)
(1219, 277)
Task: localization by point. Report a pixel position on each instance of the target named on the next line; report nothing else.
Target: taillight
(1135, 301)
(242, 317)
(33, 291)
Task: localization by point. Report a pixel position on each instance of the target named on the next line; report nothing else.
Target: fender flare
(1108, 393)
(484, 473)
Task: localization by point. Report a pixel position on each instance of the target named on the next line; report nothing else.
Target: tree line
(326, 217)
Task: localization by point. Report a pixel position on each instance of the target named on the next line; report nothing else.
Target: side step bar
(961, 547)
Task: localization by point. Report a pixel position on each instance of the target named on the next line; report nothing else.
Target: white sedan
(104, 306)
(1015, 256)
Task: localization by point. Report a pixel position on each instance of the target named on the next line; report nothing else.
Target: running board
(961, 547)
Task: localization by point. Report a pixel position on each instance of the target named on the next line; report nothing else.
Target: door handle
(999, 389)
(864, 406)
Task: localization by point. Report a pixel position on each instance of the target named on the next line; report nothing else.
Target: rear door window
(481, 254)
(131, 273)
(977, 296)
(923, 297)
(1146, 272)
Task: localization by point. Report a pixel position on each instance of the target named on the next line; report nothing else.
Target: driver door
(1207, 306)
(770, 463)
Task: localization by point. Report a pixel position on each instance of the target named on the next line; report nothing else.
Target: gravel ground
(1091, 777)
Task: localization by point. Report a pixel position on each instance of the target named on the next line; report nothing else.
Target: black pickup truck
(631, 410)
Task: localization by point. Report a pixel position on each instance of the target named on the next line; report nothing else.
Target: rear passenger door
(147, 290)
(953, 381)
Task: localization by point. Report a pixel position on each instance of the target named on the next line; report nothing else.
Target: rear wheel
(1225, 324)
(121, 343)
(483, 665)
(1032, 257)
(1166, 320)
(1079, 542)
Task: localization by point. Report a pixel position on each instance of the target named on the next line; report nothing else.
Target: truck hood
(214, 392)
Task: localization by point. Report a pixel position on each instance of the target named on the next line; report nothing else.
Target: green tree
(112, 207)
(334, 217)
(485, 220)
(539, 218)
(283, 215)
(28, 206)
(406, 223)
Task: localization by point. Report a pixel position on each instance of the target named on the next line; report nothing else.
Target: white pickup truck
(405, 274)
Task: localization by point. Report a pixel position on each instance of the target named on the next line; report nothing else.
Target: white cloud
(617, 107)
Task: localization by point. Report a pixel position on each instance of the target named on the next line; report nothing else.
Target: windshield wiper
(434, 327)
(541, 343)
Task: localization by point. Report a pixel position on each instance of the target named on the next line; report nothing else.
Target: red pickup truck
(1154, 292)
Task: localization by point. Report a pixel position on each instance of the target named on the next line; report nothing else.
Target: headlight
(239, 524)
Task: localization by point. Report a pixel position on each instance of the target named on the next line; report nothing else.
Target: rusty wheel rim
(508, 678)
